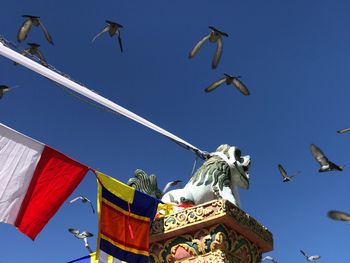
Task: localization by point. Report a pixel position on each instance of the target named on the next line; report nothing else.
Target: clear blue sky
(294, 57)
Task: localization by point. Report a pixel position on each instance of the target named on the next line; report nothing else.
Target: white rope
(48, 73)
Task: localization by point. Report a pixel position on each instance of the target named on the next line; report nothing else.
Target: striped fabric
(35, 181)
(124, 221)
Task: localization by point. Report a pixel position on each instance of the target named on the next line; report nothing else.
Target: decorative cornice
(210, 213)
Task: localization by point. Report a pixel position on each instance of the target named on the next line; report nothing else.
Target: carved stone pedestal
(216, 231)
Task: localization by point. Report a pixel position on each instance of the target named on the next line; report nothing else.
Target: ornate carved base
(212, 232)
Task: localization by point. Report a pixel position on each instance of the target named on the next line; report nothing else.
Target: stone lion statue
(217, 178)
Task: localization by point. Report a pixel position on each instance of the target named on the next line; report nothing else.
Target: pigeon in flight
(230, 80)
(27, 25)
(82, 235)
(310, 258)
(338, 215)
(83, 200)
(284, 174)
(168, 185)
(270, 259)
(3, 90)
(113, 29)
(215, 36)
(326, 165)
(33, 49)
(343, 130)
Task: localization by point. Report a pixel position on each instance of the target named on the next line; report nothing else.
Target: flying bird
(326, 165)
(3, 90)
(215, 36)
(310, 258)
(270, 259)
(285, 176)
(339, 215)
(33, 49)
(343, 130)
(113, 29)
(84, 200)
(82, 235)
(230, 80)
(168, 185)
(27, 25)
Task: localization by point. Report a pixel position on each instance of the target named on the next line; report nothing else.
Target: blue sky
(293, 56)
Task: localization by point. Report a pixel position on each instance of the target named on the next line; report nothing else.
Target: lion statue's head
(226, 163)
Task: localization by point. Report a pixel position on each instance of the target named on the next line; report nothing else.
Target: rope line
(55, 75)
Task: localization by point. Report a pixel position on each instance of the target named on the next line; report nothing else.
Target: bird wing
(24, 29)
(302, 252)
(215, 85)
(241, 87)
(86, 234)
(196, 48)
(74, 231)
(338, 215)
(166, 187)
(217, 54)
(46, 32)
(344, 130)
(268, 258)
(92, 207)
(335, 166)
(25, 52)
(3, 90)
(42, 59)
(282, 171)
(105, 29)
(172, 183)
(319, 155)
(75, 199)
(120, 41)
(85, 199)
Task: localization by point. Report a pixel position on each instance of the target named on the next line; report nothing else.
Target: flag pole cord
(80, 89)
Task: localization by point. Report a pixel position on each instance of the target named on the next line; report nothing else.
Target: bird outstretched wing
(338, 215)
(92, 207)
(86, 234)
(24, 29)
(302, 252)
(46, 32)
(282, 171)
(3, 90)
(196, 48)
(74, 199)
(217, 54)
(215, 85)
(120, 41)
(105, 29)
(42, 59)
(74, 231)
(343, 130)
(241, 87)
(319, 155)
